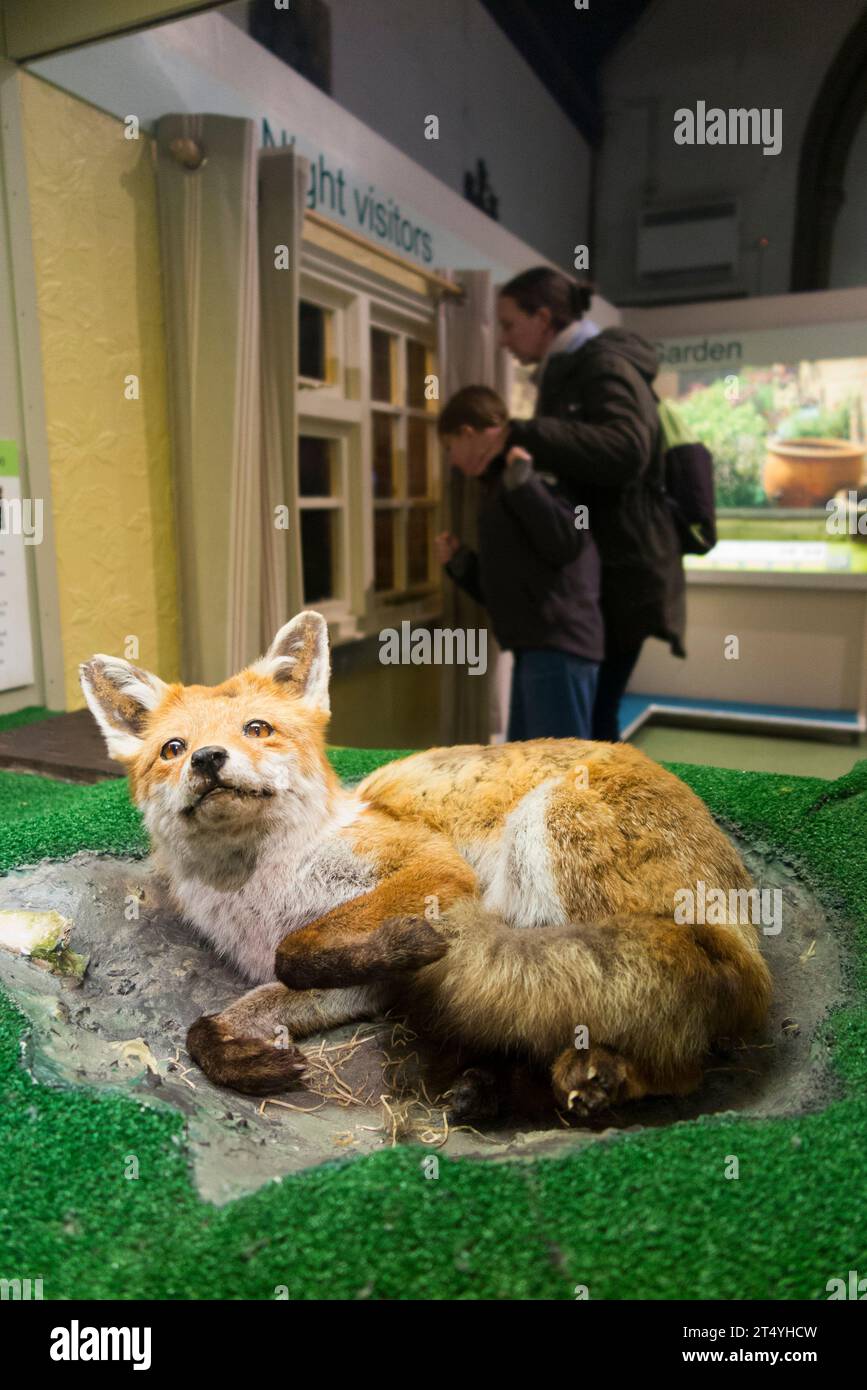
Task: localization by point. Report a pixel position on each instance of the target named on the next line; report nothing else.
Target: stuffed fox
(517, 899)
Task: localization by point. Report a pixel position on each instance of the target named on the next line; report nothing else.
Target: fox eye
(173, 749)
(257, 728)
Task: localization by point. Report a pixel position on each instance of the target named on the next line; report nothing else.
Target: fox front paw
(254, 1066)
(409, 943)
(397, 945)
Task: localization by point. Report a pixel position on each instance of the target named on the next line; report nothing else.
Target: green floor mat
(646, 1215)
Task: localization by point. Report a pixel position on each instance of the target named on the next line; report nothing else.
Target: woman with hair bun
(596, 430)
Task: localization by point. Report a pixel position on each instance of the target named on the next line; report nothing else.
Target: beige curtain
(206, 179)
(283, 177)
(470, 705)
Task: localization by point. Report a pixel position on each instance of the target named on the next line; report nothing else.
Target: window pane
(417, 545)
(311, 341)
(318, 554)
(383, 550)
(416, 371)
(383, 455)
(418, 436)
(381, 365)
(315, 473)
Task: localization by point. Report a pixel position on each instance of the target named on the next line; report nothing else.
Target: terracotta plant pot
(806, 472)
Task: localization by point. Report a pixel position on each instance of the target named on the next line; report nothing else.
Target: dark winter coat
(535, 572)
(596, 429)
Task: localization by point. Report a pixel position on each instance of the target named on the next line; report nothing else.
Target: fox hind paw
(474, 1096)
(592, 1080)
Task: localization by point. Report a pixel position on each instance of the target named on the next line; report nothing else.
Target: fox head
(223, 765)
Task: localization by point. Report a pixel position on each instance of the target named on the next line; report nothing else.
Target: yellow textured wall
(95, 245)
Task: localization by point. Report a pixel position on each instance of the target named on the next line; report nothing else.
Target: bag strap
(674, 429)
(657, 476)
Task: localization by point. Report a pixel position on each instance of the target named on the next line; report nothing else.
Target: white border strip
(784, 721)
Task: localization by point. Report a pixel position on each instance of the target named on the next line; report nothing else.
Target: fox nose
(209, 760)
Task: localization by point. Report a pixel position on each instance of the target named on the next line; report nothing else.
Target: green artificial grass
(646, 1215)
(33, 714)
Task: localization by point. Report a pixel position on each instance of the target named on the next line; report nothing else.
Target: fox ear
(298, 658)
(120, 697)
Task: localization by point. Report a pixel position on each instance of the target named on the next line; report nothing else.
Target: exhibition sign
(783, 411)
(206, 63)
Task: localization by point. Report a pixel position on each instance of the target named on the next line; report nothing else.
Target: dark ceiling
(566, 47)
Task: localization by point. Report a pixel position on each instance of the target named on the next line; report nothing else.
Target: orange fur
(505, 895)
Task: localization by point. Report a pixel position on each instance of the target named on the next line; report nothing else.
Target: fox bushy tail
(648, 988)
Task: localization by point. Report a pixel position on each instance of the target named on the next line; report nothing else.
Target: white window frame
(339, 437)
(341, 409)
(402, 503)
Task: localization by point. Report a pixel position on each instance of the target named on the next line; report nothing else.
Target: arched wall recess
(838, 111)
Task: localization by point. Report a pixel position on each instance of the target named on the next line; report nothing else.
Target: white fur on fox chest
(288, 889)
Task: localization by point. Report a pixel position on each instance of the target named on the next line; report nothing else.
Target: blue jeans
(552, 695)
